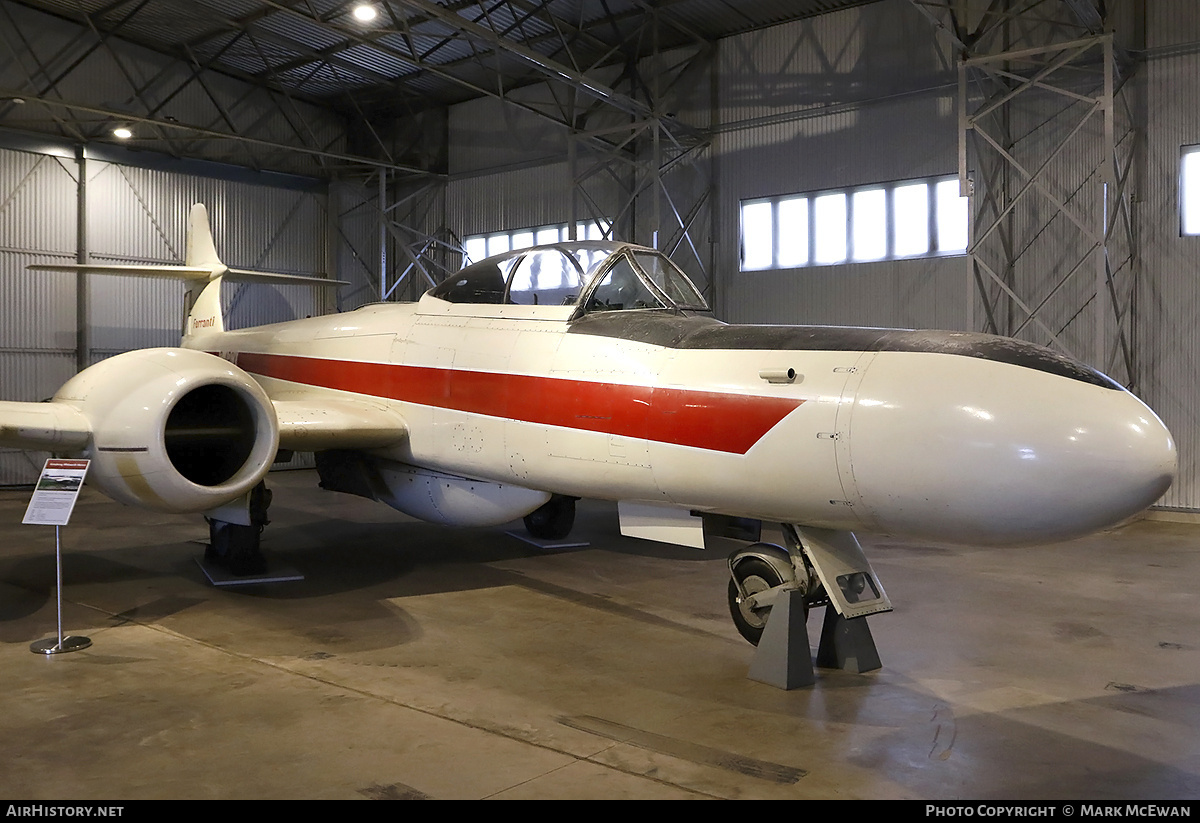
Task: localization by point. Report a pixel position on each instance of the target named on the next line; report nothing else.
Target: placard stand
(51, 505)
(71, 643)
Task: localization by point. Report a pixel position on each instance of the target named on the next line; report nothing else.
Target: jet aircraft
(595, 370)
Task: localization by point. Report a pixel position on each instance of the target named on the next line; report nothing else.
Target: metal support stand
(846, 644)
(233, 555)
(63, 644)
(547, 545)
(830, 569)
(784, 657)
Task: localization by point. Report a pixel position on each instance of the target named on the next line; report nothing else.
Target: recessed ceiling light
(122, 133)
(364, 13)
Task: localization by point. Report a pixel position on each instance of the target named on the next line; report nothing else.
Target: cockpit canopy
(592, 276)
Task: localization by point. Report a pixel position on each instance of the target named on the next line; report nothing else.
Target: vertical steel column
(573, 170)
(328, 298)
(1109, 190)
(83, 335)
(965, 189)
(657, 124)
(1038, 90)
(716, 213)
(383, 235)
(1025, 281)
(636, 171)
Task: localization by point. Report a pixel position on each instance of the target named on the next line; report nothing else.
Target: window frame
(848, 193)
(1184, 153)
(584, 230)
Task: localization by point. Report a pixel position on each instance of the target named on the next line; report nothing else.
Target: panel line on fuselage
(715, 421)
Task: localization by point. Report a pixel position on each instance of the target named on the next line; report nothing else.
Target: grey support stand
(851, 591)
(846, 644)
(783, 658)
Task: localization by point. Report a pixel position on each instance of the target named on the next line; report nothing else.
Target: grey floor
(416, 661)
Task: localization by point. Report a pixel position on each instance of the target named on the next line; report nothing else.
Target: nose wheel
(772, 589)
(750, 577)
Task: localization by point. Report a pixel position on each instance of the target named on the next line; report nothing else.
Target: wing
(43, 426)
(308, 425)
(303, 426)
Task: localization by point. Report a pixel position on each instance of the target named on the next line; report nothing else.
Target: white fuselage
(924, 443)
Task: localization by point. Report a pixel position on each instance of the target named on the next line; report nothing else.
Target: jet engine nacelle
(174, 429)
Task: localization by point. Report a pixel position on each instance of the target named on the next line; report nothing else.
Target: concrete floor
(422, 662)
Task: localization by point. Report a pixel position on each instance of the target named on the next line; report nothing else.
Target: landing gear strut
(819, 567)
(553, 521)
(752, 575)
(237, 546)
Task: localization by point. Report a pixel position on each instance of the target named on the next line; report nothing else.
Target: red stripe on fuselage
(700, 419)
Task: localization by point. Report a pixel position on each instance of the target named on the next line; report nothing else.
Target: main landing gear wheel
(553, 521)
(237, 547)
(756, 576)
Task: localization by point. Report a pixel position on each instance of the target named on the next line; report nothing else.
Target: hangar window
(908, 218)
(1189, 191)
(481, 246)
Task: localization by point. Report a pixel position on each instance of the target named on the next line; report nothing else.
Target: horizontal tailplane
(201, 264)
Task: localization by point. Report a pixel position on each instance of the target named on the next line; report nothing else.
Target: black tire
(755, 576)
(554, 520)
(236, 548)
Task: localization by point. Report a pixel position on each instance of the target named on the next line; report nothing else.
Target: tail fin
(201, 263)
(199, 250)
(205, 315)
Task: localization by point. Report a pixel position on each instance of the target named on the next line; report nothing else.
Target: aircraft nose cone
(1118, 455)
(994, 453)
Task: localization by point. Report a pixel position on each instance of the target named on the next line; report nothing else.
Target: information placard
(56, 492)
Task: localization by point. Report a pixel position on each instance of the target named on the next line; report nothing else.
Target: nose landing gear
(758, 575)
(820, 567)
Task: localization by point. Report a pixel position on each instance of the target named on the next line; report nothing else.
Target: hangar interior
(1044, 147)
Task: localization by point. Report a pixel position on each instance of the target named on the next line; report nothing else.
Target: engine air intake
(210, 434)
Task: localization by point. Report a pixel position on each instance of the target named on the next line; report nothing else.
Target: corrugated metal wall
(1169, 308)
(778, 136)
(134, 215)
(37, 311)
(487, 134)
(512, 199)
(140, 215)
(355, 210)
(508, 172)
(866, 95)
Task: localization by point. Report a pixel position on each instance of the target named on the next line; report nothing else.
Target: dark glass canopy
(592, 276)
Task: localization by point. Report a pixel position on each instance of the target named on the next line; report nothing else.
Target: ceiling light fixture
(122, 133)
(364, 13)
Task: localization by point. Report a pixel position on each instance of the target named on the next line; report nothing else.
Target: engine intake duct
(210, 434)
